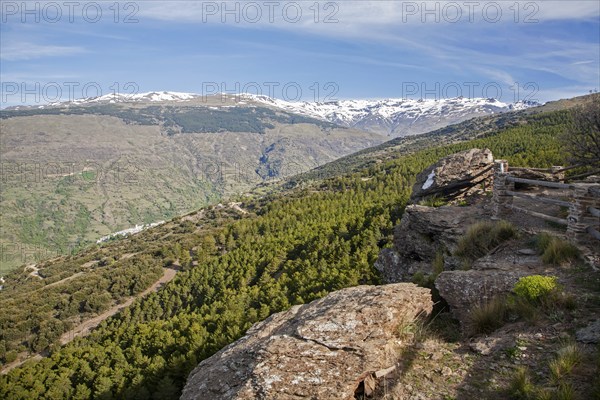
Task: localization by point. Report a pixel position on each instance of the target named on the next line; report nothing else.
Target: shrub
(483, 237)
(488, 317)
(535, 287)
(420, 279)
(10, 356)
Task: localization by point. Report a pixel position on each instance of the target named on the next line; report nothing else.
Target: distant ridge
(391, 117)
(398, 117)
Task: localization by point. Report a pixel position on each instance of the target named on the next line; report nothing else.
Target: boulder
(455, 176)
(331, 348)
(389, 264)
(589, 334)
(421, 234)
(463, 290)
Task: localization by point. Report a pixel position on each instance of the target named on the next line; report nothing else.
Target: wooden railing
(582, 200)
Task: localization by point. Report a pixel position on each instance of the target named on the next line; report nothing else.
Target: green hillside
(71, 175)
(294, 245)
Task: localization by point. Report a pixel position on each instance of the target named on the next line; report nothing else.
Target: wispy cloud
(583, 62)
(29, 51)
(370, 48)
(368, 13)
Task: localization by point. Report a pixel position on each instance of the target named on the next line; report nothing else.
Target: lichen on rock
(323, 350)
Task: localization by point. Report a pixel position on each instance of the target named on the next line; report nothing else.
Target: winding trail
(84, 328)
(63, 280)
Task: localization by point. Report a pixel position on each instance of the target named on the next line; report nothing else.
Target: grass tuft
(482, 237)
(521, 386)
(488, 317)
(560, 251)
(438, 263)
(542, 241)
(554, 250)
(566, 359)
(433, 201)
(565, 392)
(525, 309)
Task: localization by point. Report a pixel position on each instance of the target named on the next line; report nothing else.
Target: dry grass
(433, 201)
(565, 392)
(488, 317)
(559, 252)
(521, 387)
(554, 250)
(482, 237)
(567, 358)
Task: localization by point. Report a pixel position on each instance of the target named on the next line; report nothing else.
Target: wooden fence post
(501, 198)
(585, 195)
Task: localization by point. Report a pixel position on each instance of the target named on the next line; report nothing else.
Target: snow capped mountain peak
(129, 98)
(395, 117)
(147, 96)
(391, 117)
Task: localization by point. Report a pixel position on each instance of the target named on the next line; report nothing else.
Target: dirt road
(86, 326)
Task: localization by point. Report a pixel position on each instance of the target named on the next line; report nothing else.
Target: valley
(337, 200)
(75, 172)
(88, 172)
(287, 243)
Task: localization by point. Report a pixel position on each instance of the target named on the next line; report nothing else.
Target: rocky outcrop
(328, 349)
(422, 233)
(490, 276)
(456, 176)
(528, 173)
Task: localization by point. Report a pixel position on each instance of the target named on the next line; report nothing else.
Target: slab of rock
(328, 349)
(464, 290)
(536, 175)
(527, 252)
(455, 176)
(421, 234)
(589, 334)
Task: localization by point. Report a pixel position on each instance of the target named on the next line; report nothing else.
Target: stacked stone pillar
(501, 199)
(560, 176)
(585, 195)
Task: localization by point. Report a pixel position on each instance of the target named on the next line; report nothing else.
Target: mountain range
(77, 171)
(397, 117)
(229, 266)
(391, 117)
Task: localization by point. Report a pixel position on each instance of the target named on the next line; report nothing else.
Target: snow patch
(429, 181)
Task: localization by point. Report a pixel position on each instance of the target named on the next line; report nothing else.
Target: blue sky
(515, 50)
